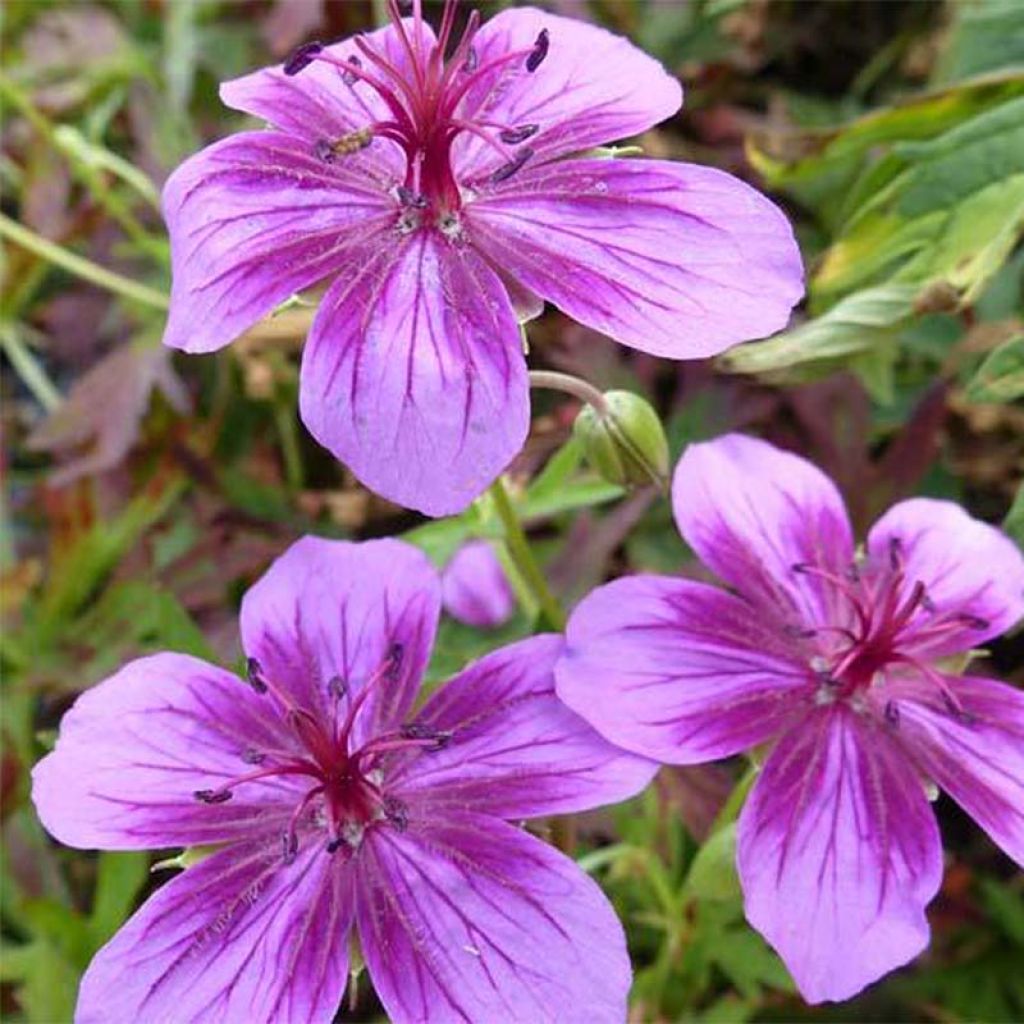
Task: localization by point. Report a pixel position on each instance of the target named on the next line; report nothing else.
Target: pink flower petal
(516, 751)
(976, 756)
(756, 515)
(254, 219)
(474, 920)
(969, 569)
(414, 375)
(678, 671)
(474, 587)
(593, 87)
(318, 104)
(330, 614)
(134, 749)
(237, 937)
(839, 854)
(673, 259)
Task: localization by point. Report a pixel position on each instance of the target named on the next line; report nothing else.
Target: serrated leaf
(856, 324)
(1000, 378)
(984, 37)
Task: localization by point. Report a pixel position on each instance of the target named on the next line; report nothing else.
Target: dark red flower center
(424, 94)
(346, 793)
(876, 630)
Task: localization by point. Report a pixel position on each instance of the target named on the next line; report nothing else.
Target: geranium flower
(474, 588)
(334, 810)
(446, 188)
(836, 660)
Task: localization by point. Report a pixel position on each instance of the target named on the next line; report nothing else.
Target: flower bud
(625, 441)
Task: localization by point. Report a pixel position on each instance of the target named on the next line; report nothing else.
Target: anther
(407, 197)
(301, 58)
(336, 687)
(799, 567)
(957, 712)
(513, 136)
(895, 553)
(254, 676)
(212, 796)
(347, 76)
(353, 142)
(396, 652)
(505, 172)
(973, 621)
(416, 731)
(335, 844)
(396, 813)
(324, 150)
(892, 714)
(539, 51)
(472, 60)
(927, 603)
(253, 756)
(289, 847)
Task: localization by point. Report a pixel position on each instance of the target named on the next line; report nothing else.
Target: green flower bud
(625, 441)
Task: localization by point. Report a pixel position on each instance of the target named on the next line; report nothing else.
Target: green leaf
(119, 878)
(46, 983)
(713, 872)
(954, 210)
(859, 322)
(1013, 524)
(984, 37)
(1000, 378)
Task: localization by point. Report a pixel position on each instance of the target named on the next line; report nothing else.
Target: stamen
(974, 621)
(212, 796)
(254, 676)
(539, 52)
(512, 167)
(956, 711)
(348, 77)
(895, 554)
(513, 136)
(396, 813)
(337, 687)
(301, 58)
(472, 61)
(324, 150)
(290, 847)
(892, 714)
(799, 632)
(253, 756)
(416, 731)
(407, 197)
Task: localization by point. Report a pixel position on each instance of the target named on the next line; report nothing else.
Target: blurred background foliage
(143, 493)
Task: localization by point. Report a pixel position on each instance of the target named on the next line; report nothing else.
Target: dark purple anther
(471, 61)
(407, 197)
(957, 712)
(336, 687)
(974, 621)
(895, 553)
(892, 714)
(799, 567)
(335, 844)
(324, 150)
(927, 603)
(799, 632)
(254, 675)
(290, 847)
(253, 756)
(348, 77)
(539, 51)
(212, 796)
(505, 172)
(513, 136)
(301, 58)
(396, 813)
(396, 652)
(416, 731)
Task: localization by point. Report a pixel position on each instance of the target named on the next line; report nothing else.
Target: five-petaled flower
(448, 188)
(839, 661)
(332, 807)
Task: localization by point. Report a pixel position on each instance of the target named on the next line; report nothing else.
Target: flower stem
(32, 375)
(575, 386)
(522, 557)
(81, 267)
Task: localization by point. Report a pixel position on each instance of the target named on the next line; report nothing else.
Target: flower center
(346, 794)
(873, 633)
(423, 96)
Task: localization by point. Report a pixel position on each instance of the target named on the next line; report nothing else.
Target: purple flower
(474, 587)
(332, 808)
(444, 197)
(836, 659)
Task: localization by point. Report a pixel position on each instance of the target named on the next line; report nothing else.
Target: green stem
(286, 428)
(81, 267)
(519, 551)
(552, 380)
(33, 376)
